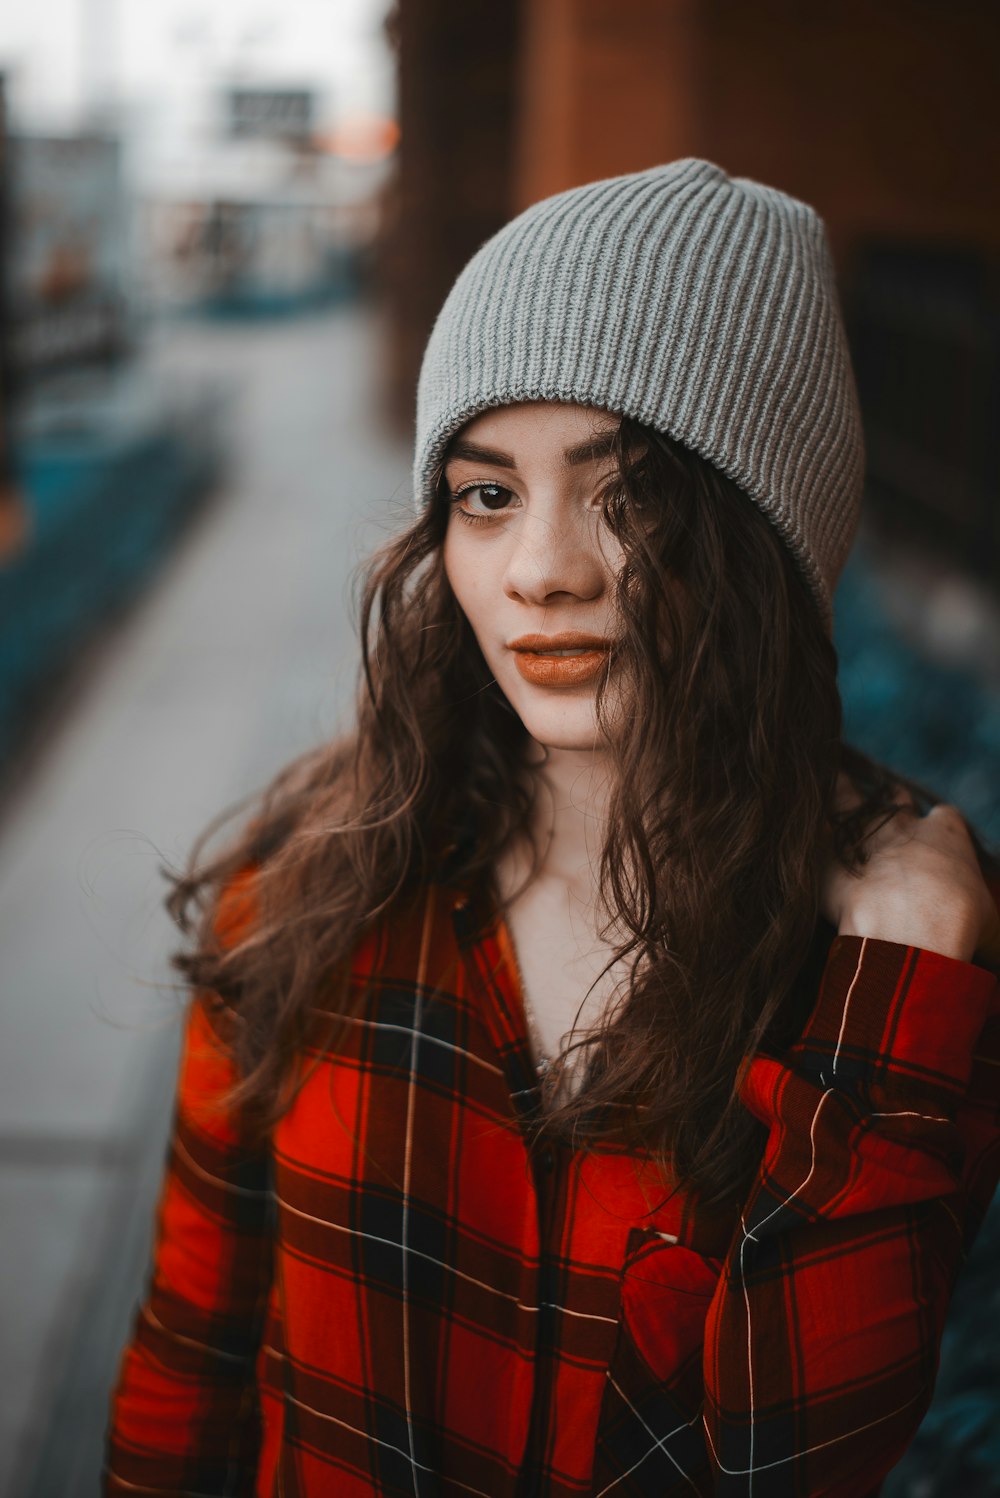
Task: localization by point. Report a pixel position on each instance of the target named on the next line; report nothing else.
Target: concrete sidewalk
(241, 655)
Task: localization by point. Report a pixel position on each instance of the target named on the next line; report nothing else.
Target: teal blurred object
(941, 726)
(108, 483)
(937, 724)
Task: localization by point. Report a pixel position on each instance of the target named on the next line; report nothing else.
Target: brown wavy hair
(721, 812)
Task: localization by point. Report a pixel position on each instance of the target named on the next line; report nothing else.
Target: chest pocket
(650, 1436)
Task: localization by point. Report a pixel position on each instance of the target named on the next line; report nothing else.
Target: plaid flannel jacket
(394, 1297)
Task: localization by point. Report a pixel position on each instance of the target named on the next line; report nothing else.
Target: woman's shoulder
(411, 910)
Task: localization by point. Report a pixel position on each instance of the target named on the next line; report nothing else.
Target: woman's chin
(571, 731)
(558, 718)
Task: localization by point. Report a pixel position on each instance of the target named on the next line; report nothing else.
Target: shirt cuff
(888, 1013)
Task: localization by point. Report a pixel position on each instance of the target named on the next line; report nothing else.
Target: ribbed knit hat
(701, 305)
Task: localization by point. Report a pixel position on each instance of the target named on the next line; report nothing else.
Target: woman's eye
(479, 501)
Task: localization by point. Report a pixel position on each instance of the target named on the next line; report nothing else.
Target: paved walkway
(240, 655)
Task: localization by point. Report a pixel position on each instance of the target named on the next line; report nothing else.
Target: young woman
(673, 1199)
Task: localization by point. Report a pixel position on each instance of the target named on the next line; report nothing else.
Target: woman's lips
(560, 670)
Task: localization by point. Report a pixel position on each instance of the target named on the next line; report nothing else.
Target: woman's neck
(572, 790)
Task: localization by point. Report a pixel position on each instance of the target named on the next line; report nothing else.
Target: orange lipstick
(541, 660)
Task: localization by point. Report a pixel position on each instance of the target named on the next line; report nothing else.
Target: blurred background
(225, 230)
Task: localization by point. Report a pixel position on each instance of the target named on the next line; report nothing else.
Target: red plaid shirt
(393, 1299)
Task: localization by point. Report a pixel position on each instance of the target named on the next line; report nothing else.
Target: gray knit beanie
(698, 304)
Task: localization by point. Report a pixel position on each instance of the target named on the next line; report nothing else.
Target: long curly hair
(723, 805)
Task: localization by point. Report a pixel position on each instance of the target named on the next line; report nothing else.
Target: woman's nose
(550, 554)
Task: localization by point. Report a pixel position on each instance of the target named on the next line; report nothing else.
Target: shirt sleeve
(184, 1413)
(883, 1153)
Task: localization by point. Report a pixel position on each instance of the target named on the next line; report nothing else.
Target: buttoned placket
(524, 1080)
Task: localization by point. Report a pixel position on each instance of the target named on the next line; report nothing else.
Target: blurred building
(232, 191)
(459, 108)
(13, 512)
(101, 460)
(272, 211)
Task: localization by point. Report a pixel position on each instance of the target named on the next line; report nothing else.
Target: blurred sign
(271, 113)
(66, 251)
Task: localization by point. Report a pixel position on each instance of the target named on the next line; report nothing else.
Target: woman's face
(532, 564)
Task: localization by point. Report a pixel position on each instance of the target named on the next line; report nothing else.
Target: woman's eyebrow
(601, 446)
(474, 454)
(582, 452)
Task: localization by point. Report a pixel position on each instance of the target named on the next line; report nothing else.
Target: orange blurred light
(363, 138)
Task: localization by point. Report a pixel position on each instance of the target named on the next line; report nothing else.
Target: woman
(672, 1200)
